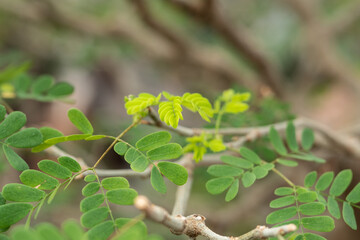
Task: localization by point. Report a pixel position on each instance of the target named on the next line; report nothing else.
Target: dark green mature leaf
(281, 215)
(306, 157)
(309, 236)
(140, 164)
(333, 207)
(2, 199)
(218, 185)
(165, 152)
(288, 163)
(283, 191)
(354, 195)
(91, 202)
(314, 208)
(14, 159)
(94, 217)
(153, 140)
(124, 196)
(307, 197)
(260, 172)
(111, 183)
(101, 231)
(21, 193)
(11, 213)
(174, 172)
(282, 202)
(291, 137)
(69, 163)
(233, 191)
(12, 123)
(47, 231)
(310, 179)
(318, 223)
(60, 89)
(27, 138)
(90, 189)
(236, 161)
(307, 139)
(277, 142)
(157, 180)
(137, 231)
(349, 215)
(218, 170)
(324, 181)
(250, 155)
(4, 237)
(341, 182)
(131, 155)
(95, 137)
(42, 84)
(120, 148)
(34, 178)
(90, 178)
(248, 179)
(2, 112)
(47, 133)
(80, 121)
(72, 230)
(54, 169)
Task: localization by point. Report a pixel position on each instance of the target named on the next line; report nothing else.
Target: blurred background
(297, 58)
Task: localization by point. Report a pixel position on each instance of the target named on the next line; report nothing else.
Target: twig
(194, 225)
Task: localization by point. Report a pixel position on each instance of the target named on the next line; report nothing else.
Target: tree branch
(194, 225)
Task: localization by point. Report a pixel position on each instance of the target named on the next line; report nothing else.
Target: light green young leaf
(123, 196)
(354, 195)
(73, 137)
(140, 164)
(218, 185)
(54, 169)
(137, 231)
(197, 103)
(314, 208)
(11, 213)
(310, 179)
(111, 183)
(318, 223)
(94, 216)
(80, 121)
(333, 207)
(27, 138)
(91, 202)
(217, 145)
(277, 142)
(12, 123)
(157, 180)
(174, 172)
(101, 231)
(120, 148)
(248, 179)
(233, 191)
(14, 159)
(281, 215)
(141, 102)
(165, 152)
(217, 170)
(283, 191)
(90, 189)
(324, 181)
(291, 137)
(307, 139)
(170, 112)
(341, 182)
(153, 140)
(349, 215)
(34, 178)
(69, 163)
(282, 202)
(250, 155)
(21, 193)
(236, 161)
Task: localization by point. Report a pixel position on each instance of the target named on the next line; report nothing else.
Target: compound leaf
(170, 112)
(236, 161)
(197, 103)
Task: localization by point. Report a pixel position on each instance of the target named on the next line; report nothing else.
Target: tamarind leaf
(14, 159)
(349, 215)
(2, 112)
(165, 152)
(123, 196)
(21, 193)
(102, 231)
(94, 216)
(218, 170)
(157, 180)
(54, 169)
(11, 213)
(354, 195)
(197, 103)
(137, 231)
(26, 138)
(308, 196)
(153, 140)
(286, 162)
(250, 155)
(141, 102)
(174, 172)
(341, 182)
(120, 148)
(90, 178)
(281, 215)
(80, 121)
(170, 112)
(333, 207)
(34, 178)
(233, 191)
(21, 233)
(69, 163)
(47, 133)
(282, 202)
(48, 231)
(260, 172)
(307, 139)
(91, 202)
(60, 89)
(318, 223)
(42, 84)
(111, 183)
(72, 229)
(218, 185)
(236, 161)
(131, 155)
(248, 179)
(324, 181)
(140, 164)
(283, 191)
(291, 137)
(90, 189)
(309, 236)
(277, 142)
(12, 123)
(314, 208)
(310, 179)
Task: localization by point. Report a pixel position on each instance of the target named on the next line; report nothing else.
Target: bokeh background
(297, 58)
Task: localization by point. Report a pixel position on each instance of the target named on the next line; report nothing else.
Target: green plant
(150, 156)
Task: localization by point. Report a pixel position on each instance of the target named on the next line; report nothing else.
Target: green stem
(288, 181)
(128, 225)
(218, 121)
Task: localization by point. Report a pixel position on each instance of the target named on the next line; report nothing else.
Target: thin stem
(288, 181)
(116, 139)
(218, 121)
